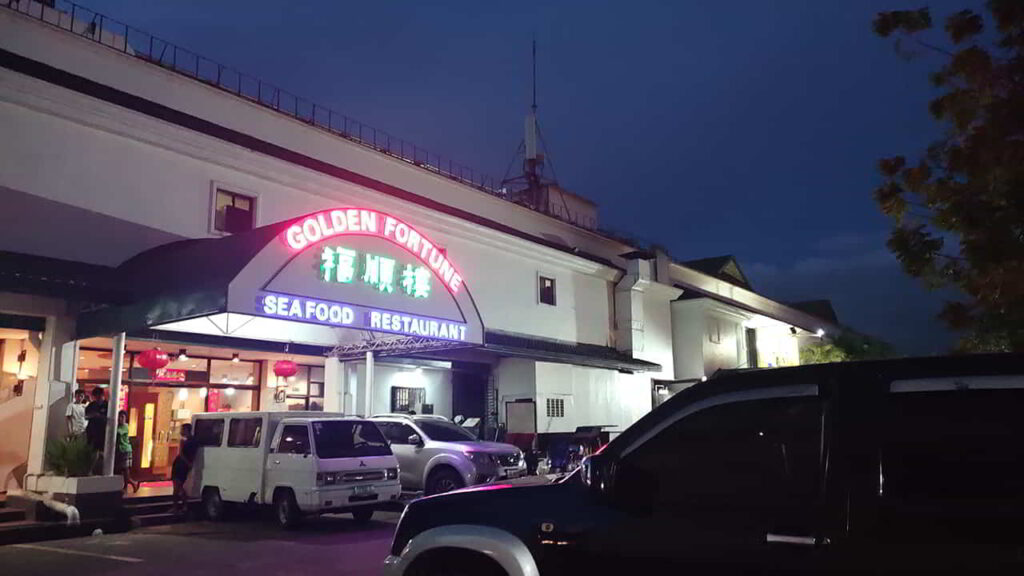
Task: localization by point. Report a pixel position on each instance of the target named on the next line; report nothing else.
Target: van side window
(294, 440)
(751, 457)
(209, 431)
(245, 432)
(954, 446)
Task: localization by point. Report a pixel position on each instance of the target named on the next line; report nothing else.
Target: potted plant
(69, 464)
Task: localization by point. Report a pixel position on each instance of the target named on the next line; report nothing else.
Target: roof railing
(87, 23)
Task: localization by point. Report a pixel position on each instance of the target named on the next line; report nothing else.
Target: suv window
(294, 440)
(441, 431)
(954, 445)
(396, 432)
(751, 455)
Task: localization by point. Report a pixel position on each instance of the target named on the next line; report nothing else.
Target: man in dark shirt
(181, 467)
(96, 420)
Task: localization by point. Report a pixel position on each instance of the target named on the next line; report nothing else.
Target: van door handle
(791, 539)
(277, 461)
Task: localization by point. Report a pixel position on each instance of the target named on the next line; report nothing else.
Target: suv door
(950, 487)
(726, 483)
(410, 465)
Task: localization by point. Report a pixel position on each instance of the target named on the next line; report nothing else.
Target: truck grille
(368, 476)
(508, 459)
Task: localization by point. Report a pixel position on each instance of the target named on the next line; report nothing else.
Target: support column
(368, 399)
(334, 385)
(113, 393)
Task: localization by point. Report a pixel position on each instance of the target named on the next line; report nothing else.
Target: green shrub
(71, 456)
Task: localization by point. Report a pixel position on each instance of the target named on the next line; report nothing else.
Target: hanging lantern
(285, 368)
(153, 359)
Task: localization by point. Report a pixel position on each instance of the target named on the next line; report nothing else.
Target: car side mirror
(598, 475)
(415, 440)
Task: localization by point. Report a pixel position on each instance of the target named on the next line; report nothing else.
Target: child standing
(123, 461)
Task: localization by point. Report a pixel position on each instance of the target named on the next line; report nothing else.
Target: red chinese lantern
(285, 368)
(154, 359)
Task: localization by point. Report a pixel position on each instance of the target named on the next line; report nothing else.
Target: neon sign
(340, 265)
(352, 221)
(345, 315)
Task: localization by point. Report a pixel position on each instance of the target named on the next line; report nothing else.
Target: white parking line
(76, 552)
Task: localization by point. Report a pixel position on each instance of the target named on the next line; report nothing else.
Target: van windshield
(348, 439)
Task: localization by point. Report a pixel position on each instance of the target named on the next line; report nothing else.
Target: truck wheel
(213, 505)
(443, 479)
(286, 509)
(362, 515)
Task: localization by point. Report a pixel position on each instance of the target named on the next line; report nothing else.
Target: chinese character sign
(339, 264)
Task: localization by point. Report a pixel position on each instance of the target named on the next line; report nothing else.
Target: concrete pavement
(249, 547)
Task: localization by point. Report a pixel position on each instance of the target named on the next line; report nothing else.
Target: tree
(847, 346)
(958, 210)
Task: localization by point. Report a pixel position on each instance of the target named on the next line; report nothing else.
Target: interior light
(202, 392)
(182, 356)
(249, 379)
(224, 379)
(183, 394)
(229, 391)
(235, 358)
(195, 365)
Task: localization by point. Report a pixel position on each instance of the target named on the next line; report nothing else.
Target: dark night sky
(708, 127)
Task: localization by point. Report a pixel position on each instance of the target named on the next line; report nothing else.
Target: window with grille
(547, 290)
(556, 407)
(405, 400)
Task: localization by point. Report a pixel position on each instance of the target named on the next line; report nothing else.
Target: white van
(299, 462)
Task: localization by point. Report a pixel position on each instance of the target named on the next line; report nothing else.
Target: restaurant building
(152, 195)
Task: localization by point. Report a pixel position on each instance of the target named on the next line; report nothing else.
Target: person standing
(123, 461)
(182, 466)
(75, 414)
(96, 426)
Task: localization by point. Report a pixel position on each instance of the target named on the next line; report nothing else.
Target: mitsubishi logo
(362, 464)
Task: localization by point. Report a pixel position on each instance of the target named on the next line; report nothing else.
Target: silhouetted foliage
(958, 210)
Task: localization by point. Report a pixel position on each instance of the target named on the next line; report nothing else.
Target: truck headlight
(326, 478)
(392, 473)
(480, 458)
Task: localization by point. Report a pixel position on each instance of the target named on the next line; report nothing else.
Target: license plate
(358, 490)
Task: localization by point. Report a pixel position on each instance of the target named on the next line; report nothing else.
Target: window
(954, 446)
(395, 432)
(245, 432)
(349, 439)
(547, 290)
(233, 212)
(209, 431)
(306, 389)
(748, 457)
(556, 407)
(407, 400)
(294, 440)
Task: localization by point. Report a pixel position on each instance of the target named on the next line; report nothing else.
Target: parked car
(300, 463)
(436, 455)
(882, 467)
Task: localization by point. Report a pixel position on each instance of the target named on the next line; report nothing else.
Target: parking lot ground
(328, 545)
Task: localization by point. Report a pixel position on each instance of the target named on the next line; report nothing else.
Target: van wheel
(443, 479)
(362, 515)
(213, 505)
(286, 509)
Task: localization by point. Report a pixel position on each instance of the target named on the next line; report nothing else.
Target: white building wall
(514, 379)
(687, 339)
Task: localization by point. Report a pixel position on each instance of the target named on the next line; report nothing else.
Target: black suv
(896, 466)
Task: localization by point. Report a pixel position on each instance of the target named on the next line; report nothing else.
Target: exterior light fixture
(235, 358)
(820, 333)
(703, 378)
(182, 356)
